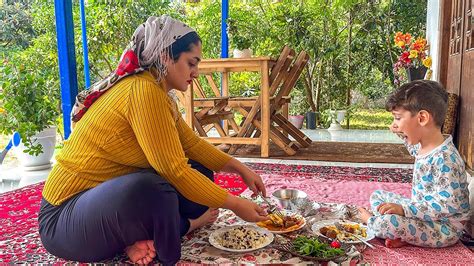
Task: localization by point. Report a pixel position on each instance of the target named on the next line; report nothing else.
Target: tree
(15, 25)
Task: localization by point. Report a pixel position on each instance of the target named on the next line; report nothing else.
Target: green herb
(313, 247)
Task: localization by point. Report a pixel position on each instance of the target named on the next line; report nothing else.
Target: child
(435, 214)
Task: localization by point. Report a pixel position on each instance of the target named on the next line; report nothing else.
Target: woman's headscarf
(149, 42)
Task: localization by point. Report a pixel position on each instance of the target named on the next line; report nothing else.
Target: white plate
(317, 225)
(288, 213)
(214, 236)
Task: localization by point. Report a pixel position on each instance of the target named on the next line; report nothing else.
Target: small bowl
(285, 196)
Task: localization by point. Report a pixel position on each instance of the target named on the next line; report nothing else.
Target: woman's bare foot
(210, 216)
(142, 252)
(364, 214)
(395, 243)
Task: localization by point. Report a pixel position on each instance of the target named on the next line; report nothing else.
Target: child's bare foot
(395, 243)
(210, 216)
(142, 252)
(364, 214)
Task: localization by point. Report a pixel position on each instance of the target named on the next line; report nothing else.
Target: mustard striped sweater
(130, 127)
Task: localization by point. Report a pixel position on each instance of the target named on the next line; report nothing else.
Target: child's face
(406, 125)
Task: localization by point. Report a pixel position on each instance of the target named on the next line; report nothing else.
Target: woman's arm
(199, 150)
(151, 118)
(251, 179)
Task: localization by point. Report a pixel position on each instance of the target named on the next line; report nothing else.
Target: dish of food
(327, 228)
(316, 249)
(290, 222)
(240, 238)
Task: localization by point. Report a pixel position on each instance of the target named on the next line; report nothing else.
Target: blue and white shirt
(439, 188)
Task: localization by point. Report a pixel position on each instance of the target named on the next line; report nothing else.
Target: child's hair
(421, 95)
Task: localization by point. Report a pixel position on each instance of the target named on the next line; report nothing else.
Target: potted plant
(297, 109)
(239, 39)
(413, 61)
(29, 104)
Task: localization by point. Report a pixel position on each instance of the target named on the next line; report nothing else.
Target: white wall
(433, 33)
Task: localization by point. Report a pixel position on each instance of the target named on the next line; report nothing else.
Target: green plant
(298, 105)
(239, 37)
(326, 118)
(314, 247)
(29, 102)
(15, 24)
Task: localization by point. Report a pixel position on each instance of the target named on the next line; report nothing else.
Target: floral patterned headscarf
(149, 42)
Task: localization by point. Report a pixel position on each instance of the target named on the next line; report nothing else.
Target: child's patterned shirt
(439, 188)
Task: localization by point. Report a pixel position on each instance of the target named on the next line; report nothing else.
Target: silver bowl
(286, 196)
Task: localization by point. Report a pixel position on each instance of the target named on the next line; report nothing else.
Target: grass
(370, 119)
(361, 119)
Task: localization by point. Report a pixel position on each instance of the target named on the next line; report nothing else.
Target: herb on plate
(315, 248)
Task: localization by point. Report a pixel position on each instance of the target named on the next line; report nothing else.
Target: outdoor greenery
(238, 33)
(371, 119)
(350, 43)
(29, 74)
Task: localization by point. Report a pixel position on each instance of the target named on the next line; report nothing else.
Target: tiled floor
(14, 177)
(345, 135)
(353, 135)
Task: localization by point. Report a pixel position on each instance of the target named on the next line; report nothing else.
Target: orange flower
(399, 39)
(419, 45)
(402, 39)
(407, 38)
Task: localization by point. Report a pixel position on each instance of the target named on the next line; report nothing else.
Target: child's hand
(390, 208)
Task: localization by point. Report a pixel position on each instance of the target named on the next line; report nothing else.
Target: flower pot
(47, 139)
(336, 119)
(335, 126)
(312, 120)
(340, 115)
(416, 73)
(296, 120)
(245, 53)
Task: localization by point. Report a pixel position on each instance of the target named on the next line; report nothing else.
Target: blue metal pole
(67, 59)
(224, 37)
(84, 44)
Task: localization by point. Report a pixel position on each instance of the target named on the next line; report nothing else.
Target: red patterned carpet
(20, 243)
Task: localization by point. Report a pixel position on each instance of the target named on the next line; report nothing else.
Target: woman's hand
(254, 182)
(251, 179)
(245, 209)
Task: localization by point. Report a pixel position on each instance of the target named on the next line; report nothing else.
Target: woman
(123, 181)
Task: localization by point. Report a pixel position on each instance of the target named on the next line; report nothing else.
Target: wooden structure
(226, 66)
(457, 68)
(260, 113)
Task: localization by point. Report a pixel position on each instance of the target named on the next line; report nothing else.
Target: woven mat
(337, 152)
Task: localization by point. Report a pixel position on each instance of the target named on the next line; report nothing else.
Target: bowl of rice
(240, 238)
